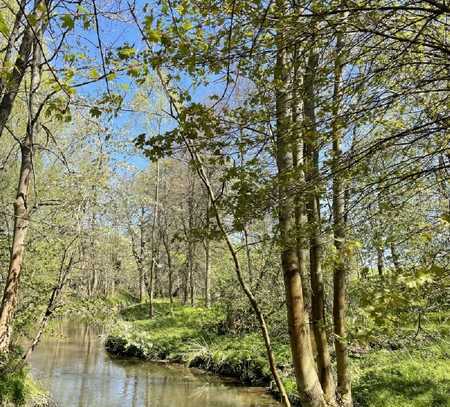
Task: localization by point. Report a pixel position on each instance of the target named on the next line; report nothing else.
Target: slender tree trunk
(185, 283)
(93, 283)
(207, 258)
(21, 222)
(395, 258)
(207, 275)
(308, 384)
(191, 275)
(154, 250)
(165, 240)
(299, 164)
(339, 226)
(248, 255)
(21, 211)
(313, 213)
(253, 302)
(141, 283)
(380, 260)
(51, 305)
(141, 258)
(191, 243)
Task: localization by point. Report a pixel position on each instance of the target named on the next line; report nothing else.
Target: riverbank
(195, 337)
(20, 389)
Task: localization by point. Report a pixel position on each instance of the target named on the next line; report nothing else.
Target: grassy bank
(19, 389)
(192, 336)
(195, 336)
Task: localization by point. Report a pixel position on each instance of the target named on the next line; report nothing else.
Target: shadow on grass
(392, 389)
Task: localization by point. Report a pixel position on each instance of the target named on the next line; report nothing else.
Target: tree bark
(154, 249)
(308, 384)
(206, 243)
(339, 229)
(395, 258)
(191, 243)
(313, 214)
(21, 209)
(166, 244)
(380, 260)
(299, 165)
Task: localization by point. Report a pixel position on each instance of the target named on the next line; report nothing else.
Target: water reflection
(74, 367)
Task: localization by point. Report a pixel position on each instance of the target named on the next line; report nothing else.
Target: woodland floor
(416, 375)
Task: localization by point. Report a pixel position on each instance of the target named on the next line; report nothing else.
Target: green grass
(417, 375)
(192, 336)
(19, 389)
(404, 378)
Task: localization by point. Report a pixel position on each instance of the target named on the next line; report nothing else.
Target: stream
(72, 364)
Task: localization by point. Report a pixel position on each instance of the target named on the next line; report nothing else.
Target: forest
(224, 203)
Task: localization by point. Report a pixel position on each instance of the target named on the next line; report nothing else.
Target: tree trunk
(308, 384)
(191, 275)
(185, 283)
(395, 258)
(248, 255)
(207, 259)
(190, 269)
(12, 42)
(21, 222)
(339, 226)
(313, 213)
(141, 258)
(21, 210)
(165, 240)
(154, 249)
(380, 260)
(253, 302)
(299, 163)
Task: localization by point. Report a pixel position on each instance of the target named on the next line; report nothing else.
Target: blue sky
(113, 34)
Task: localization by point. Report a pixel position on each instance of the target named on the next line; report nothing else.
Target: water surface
(72, 364)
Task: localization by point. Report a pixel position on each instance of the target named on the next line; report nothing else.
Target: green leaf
(126, 52)
(3, 26)
(153, 35)
(93, 74)
(67, 21)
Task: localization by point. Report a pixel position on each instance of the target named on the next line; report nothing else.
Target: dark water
(73, 365)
